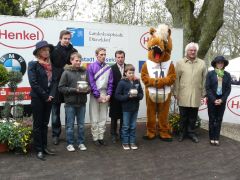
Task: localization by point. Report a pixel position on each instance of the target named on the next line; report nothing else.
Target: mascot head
(160, 44)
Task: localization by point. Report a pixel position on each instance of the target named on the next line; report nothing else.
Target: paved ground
(155, 160)
(228, 129)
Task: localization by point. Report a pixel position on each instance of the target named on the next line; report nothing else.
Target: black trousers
(215, 114)
(188, 118)
(114, 124)
(41, 113)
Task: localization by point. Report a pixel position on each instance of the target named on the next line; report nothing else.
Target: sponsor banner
(140, 64)
(77, 36)
(232, 111)
(5, 92)
(203, 105)
(13, 62)
(19, 35)
(144, 40)
(105, 38)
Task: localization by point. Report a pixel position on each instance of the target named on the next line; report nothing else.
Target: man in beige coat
(189, 90)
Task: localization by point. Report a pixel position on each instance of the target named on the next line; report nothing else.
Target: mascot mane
(159, 43)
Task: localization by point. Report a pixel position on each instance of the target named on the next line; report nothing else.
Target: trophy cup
(82, 86)
(133, 92)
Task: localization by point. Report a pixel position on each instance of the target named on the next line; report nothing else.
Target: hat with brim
(219, 59)
(42, 44)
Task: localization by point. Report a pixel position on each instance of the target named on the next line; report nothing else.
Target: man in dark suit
(115, 112)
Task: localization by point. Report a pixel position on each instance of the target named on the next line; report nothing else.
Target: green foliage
(3, 75)
(174, 119)
(18, 111)
(20, 137)
(48, 13)
(5, 130)
(11, 7)
(15, 77)
(6, 111)
(17, 134)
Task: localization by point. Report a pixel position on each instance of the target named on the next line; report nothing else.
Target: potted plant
(4, 127)
(15, 132)
(174, 122)
(15, 77)
(20, 136)
(5, 130)
(16, 135)
(174, 119)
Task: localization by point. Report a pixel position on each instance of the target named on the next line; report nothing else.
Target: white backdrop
(232, 112)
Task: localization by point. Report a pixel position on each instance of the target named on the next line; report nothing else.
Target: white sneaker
(126, 146)
(133, 146)
(82, 147)
(70, 148)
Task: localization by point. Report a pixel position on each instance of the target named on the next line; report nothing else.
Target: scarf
(220, 74)
(47, 67)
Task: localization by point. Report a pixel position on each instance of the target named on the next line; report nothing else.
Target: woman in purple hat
(42, 90)
(218, 88)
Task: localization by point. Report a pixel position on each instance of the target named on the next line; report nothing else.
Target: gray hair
(191, 44)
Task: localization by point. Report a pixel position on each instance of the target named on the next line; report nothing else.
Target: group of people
(54, 78)
(193, 84)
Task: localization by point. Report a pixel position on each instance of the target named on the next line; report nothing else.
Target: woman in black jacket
(42, 90)
(218, 88)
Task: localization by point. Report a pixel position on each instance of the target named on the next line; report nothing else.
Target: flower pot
(3, 147)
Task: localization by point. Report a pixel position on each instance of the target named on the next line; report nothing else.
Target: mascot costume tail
(158, 74)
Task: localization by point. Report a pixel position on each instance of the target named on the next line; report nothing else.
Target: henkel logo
(19, 35)
(233, 105)
(203, 104)
(144, 40)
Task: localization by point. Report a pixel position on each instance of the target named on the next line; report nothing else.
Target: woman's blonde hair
(38, 53)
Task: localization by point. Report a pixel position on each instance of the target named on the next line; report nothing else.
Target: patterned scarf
(47, 67)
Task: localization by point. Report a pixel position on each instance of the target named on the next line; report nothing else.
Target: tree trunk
(110, 4)
(201, 29)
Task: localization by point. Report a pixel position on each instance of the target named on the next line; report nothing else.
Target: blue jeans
(71, 113)
(56, 122)
(129, 127)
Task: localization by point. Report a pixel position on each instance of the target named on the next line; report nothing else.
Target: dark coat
(68, 83)
(212, 83)
(59, 58)
(115, 111)
(38, 81)
(122, 94)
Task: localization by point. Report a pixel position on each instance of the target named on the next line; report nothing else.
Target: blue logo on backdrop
(77, 36)
(13, 62)
(140, 64)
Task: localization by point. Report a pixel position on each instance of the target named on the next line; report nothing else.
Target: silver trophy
(133, 92)
(82, 85)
